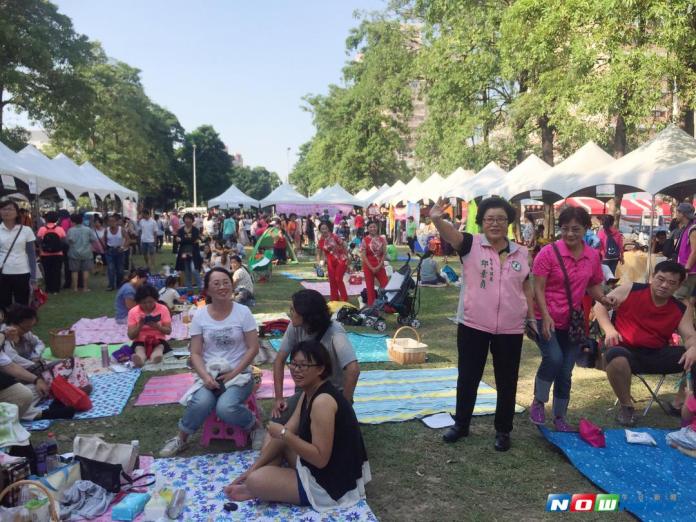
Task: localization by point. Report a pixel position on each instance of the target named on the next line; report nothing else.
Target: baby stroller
(401, 296)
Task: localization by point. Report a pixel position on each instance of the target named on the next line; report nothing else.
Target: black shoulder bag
(576, 326)
(10, 249)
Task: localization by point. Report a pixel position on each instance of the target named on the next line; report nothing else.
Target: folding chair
(654, 393)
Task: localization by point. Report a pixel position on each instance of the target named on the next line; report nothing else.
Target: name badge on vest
(516, 266)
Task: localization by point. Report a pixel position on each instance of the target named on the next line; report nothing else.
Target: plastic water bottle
(105, 355)
(177, 504)
(52, 458)
(41, 459)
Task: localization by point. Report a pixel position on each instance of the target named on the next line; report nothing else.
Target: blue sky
(240, 65)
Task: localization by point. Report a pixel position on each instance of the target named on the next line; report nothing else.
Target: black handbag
(576, 325)
(111, 476)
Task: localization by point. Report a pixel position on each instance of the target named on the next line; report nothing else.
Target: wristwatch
(282, 432)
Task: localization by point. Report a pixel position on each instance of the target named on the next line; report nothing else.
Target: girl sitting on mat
(318, 458)
(430, 272)
(149, 323)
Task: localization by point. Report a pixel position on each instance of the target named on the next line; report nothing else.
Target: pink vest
(491, 298)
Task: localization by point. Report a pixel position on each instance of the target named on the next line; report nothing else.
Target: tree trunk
(547, 136)
(2, 105)
(688, 122)
(620, 137)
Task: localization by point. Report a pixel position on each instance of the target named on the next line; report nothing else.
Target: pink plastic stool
(214, 428)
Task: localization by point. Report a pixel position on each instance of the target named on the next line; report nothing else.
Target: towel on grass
(107, 330)
(109, 396)
(368, 347)
(324, 289)
(401, 395)
(655, 482)
(205, 476)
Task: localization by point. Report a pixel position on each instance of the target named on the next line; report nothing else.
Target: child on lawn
(149, 323)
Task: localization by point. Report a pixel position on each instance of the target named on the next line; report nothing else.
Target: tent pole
(650, 237)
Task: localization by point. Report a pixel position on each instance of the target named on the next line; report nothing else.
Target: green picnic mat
(87, 350)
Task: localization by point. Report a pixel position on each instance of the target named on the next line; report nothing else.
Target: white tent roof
(457, 177)
(336, 195)
(232, 197)
(49, 174)
(432, 188)
(410, 192)
(114, 187)
(387, 194)
(369, 200)
(360, 194)
(284, 194)
(90, 183)
(633, 172)
(560, 181)
(678, 181)
(372, 190)
(11, 166)
(518, 178)
(485, 182)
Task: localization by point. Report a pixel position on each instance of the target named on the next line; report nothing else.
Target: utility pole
(287, 155)
(195, 195)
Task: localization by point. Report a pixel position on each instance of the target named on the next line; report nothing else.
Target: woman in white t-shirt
(17, 257)
(242, 282)
(224, 342)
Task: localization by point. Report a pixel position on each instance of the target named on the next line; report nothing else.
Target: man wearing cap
(686, 249)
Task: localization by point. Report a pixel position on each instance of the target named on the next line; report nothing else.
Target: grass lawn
(415, 475)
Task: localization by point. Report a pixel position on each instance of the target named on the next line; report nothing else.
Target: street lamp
(287, 154)
(195, 195)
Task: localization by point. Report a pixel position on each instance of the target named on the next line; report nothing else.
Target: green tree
(40, 54)
(16, 138)
(213, 163)
(257, 182)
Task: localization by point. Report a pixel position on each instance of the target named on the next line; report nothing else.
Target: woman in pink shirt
(558, 353)
(149, 324)
(495, 304)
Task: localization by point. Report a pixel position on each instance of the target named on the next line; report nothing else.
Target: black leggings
(14, 288)
(472, 345)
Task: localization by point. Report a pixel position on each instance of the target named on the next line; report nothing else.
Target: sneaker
(257, 437)
(172, 447)
(626, 416)
(561, 425)
(536, 413)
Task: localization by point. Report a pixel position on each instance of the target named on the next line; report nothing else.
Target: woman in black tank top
(318, 458)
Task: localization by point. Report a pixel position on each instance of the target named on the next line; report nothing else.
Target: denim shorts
(147, 248)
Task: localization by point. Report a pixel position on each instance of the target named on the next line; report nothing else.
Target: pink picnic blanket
(165, 389)
(324, 289)
(107, 330)
(265, 391)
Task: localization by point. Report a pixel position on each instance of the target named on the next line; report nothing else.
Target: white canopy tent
(371, 191)
(369, 200)
(336, 195)
(49, 174)
(387, 194)
(518, 178)
(458, 177)
(11, 167)
(678, 181)
(633, 172)
(559, 182)
(284, 194)
(231, 198)
(432, 188)
(116, 188)
(410, 192)
(361, 194)
(486, 182)
(90, 184)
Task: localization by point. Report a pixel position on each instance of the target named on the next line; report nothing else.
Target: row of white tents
(664, 165)
(35, 173)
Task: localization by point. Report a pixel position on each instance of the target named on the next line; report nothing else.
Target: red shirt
(643, 324)
(333, 246)
(359, 221)
(136, 313)
(374, 248)
(51, 227)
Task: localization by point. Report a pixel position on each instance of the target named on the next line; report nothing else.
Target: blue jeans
(558, 357)
(229, 407)
(190, 273)
(114, 267)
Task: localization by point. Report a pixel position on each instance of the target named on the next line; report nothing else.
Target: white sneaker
(172, 447)
(257, 437)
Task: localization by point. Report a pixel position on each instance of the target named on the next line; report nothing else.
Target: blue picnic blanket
(654, 482)
(368, 347)
(401, 395)
(110, 394)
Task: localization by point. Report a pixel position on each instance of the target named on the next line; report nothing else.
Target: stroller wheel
(415, 323)
(380, 325)
(369, 322)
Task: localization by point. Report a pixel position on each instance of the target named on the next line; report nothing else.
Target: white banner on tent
(61, 193)
(536, 194)
(606, 191)
(8, 182)
(92, 200)
(32, 185)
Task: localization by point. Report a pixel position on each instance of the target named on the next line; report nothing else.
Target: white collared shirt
(17, 261)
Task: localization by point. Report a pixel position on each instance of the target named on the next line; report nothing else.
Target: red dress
(374, 249)
(336, 255)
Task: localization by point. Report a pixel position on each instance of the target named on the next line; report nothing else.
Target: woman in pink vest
(558, 351)
(495, 303)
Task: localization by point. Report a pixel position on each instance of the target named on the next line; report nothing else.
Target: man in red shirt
(638, 336)
(359, 224)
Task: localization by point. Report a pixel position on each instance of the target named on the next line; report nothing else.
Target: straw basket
(62, 344)
(404, 350)
(52, 506)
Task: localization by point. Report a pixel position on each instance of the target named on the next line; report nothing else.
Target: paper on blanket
(439, 420)
(640, 437)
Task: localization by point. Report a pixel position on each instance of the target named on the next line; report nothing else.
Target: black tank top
(340, 475)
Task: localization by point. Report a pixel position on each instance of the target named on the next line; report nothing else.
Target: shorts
(164, 344)
(80, 265)
(687, 288)
(304, 500)
(147, 249)
(649, 360)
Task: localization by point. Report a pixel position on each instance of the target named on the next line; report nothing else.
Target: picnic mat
(106, 330)
(266, 391)
(272, 316)
(109, 396)
(303, 275)
(88, 350)
(165, 389)
(205, 476)
(368, 347)
(323, 287)
(655, 482)
(401, 395)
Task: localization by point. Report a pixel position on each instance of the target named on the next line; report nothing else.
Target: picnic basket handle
(51, 501)
(418, 339)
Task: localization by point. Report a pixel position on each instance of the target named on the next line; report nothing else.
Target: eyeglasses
(572, 230)
(300, 367)
(497, 220)
(221, 284)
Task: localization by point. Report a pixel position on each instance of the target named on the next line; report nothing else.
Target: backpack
(612, 250)
(51, 242)
(450, 273)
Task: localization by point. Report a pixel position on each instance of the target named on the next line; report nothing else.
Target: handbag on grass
(576, 325)
(69, 394)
